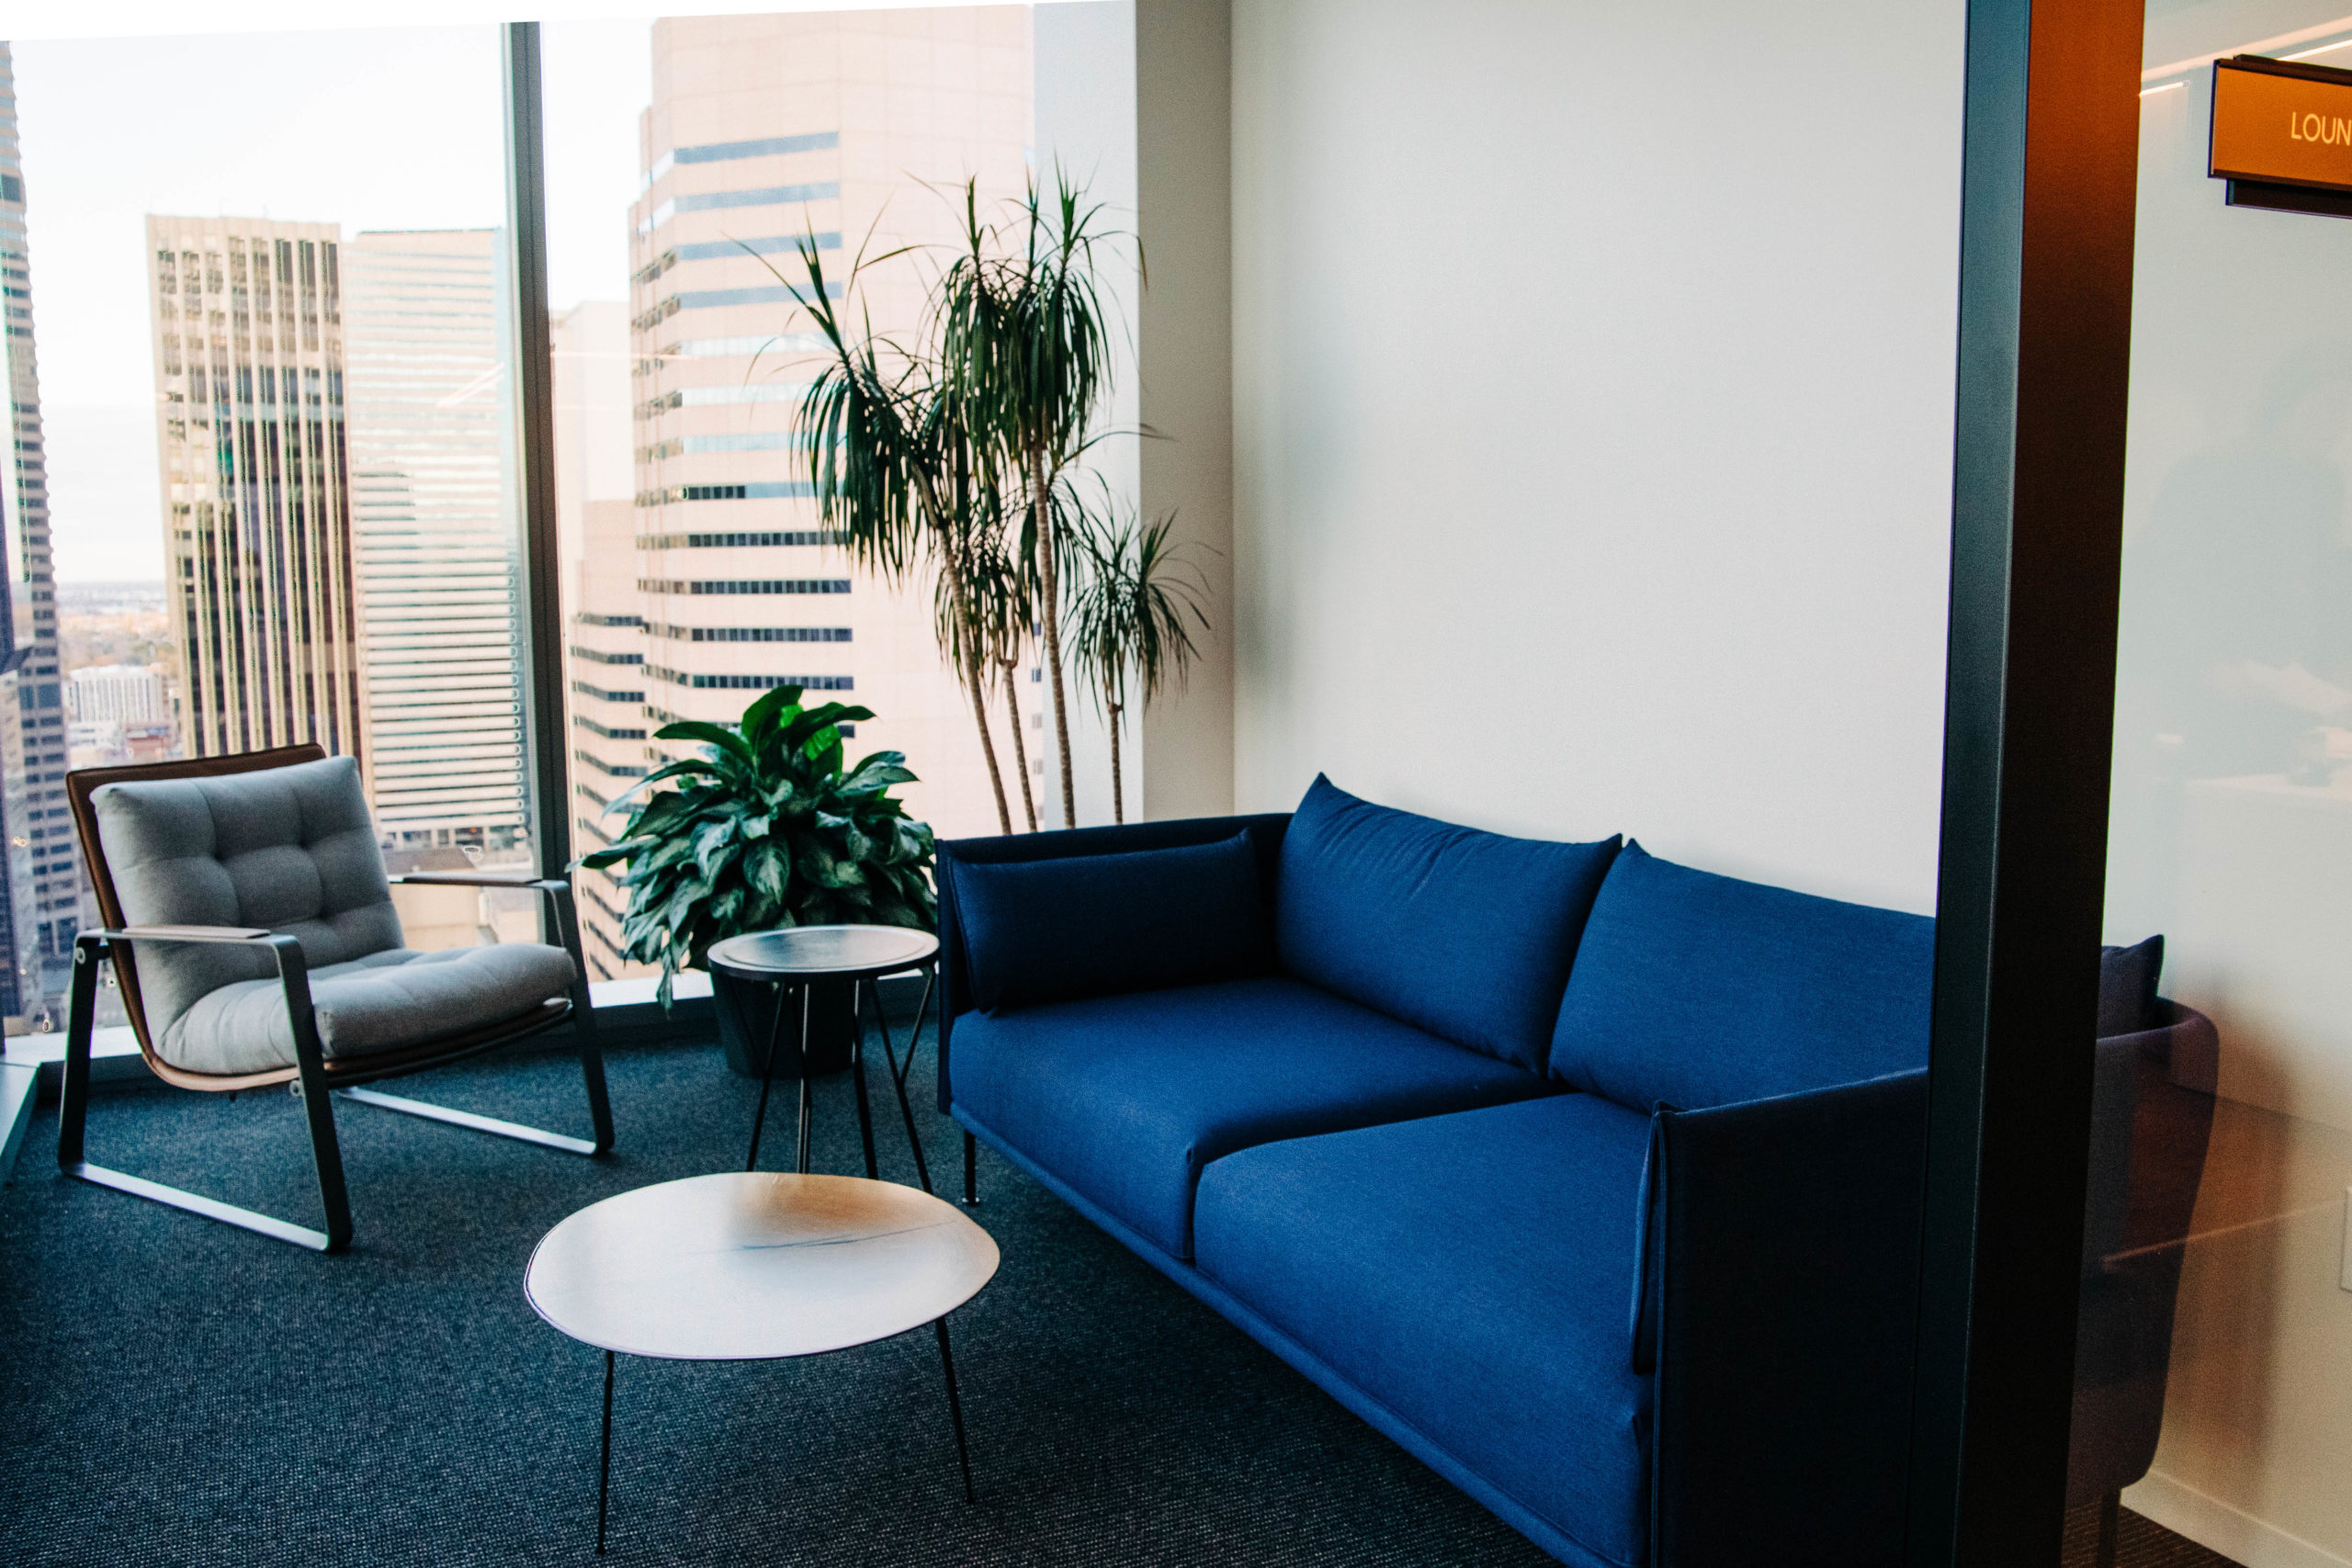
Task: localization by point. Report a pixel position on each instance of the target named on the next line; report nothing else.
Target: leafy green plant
(764, 830)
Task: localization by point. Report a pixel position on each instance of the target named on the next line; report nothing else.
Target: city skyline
(40, 878)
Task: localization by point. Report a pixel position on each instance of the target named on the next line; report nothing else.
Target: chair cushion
(1466, 934)
(1052, 930)
(382, 1002)
(1700, 990)
(1470, 1273)
(1126, 1098)
(288, 849)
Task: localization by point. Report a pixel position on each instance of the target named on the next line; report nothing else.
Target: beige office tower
(247, 318)
(763, 130)
(605, 635)
(435, 548)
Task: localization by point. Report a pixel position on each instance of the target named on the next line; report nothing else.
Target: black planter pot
(746, 1007)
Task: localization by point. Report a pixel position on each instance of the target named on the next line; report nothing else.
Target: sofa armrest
(955, 976)
(1783, 1260)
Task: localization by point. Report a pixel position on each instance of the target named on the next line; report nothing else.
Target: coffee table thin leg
(807, 1101)
(768, 1079)
(604, 1466)
(954, 1407)
(858, 1061)
(898, 1079)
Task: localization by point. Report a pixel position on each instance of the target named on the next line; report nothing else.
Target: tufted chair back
(288, 848)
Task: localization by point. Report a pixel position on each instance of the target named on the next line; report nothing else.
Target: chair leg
(592, 1068)
(971, 1172)
(2111, 1519)
(74, 1112)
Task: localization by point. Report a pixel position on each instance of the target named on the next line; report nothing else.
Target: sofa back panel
(1265, 831)
(1468, 935)
(1700, 990)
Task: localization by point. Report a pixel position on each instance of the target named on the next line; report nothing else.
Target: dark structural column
(2049, 179)
(526, 232)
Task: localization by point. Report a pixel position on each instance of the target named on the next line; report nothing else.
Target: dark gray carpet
(174, 1391)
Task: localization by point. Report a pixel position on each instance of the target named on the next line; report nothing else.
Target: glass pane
(689, 159)
(2214, 1383)
(274, 393)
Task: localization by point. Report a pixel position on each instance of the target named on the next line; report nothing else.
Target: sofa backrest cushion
(2127, 987)
(1700, 990)
(1054, 931)
(288, 849)
(1465, 934)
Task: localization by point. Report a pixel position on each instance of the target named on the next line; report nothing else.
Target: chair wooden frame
(316, 1078)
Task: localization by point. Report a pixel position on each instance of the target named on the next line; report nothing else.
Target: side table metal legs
(768, 1079)
(954, 1407)
(861, 992)
(604, 1464)
(898, 1074)
(857, 1065)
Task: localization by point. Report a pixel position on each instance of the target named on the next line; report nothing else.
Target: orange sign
(2281, 123)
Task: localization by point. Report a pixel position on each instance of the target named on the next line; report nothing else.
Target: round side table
(798, 955)
(757, 1267)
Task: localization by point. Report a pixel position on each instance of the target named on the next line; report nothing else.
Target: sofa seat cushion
(1471, 1273)
(1126, 1098)
(385, 1001)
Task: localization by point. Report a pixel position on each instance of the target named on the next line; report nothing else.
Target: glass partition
(2213, 1385)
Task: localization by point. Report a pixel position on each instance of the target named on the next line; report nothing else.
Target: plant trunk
(1020, 747)
(971, 673)
(1050, 581)
(1118, 786)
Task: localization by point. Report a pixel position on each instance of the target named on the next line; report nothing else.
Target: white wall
(1593, 380)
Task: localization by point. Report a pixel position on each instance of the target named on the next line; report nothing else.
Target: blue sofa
(1591, 1179)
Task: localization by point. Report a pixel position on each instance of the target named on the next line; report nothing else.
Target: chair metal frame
(315, 1078)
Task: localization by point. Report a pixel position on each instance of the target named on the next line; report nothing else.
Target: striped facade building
(253, 445)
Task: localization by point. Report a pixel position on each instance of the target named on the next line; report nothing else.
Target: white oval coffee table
(756, 1266)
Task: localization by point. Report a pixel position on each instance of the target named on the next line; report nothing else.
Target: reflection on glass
(2214, 1378)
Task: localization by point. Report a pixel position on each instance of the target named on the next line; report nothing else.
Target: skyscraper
(763, 131)
(250, 431)
(435, 546)
(40, 882)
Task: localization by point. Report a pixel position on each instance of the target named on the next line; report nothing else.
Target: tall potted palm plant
(1127, 620)
(1025, 341)
(900, 471)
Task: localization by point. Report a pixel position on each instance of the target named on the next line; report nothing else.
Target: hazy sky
(372, 129)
